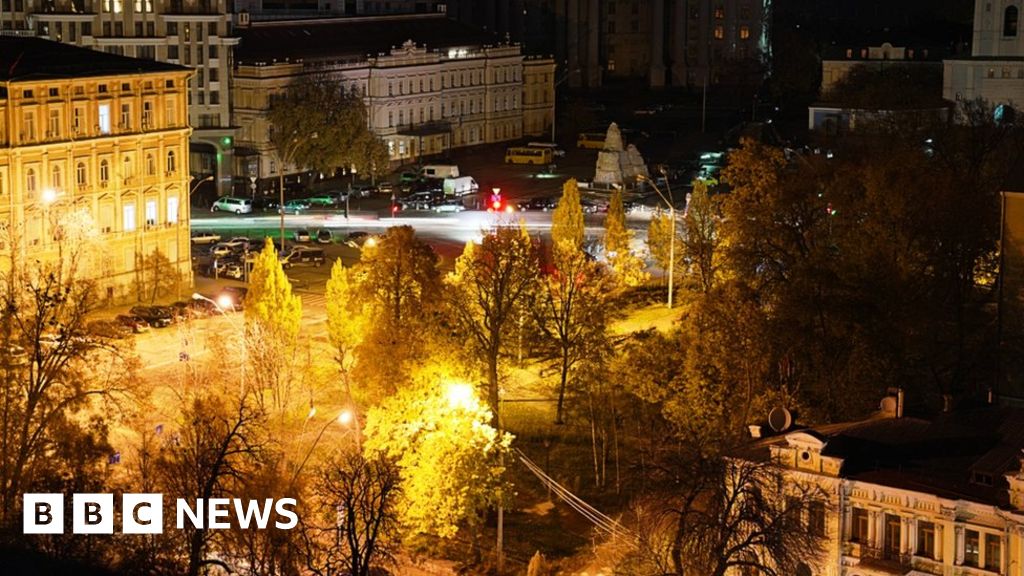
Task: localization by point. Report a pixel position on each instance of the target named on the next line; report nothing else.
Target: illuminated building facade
(102, 135)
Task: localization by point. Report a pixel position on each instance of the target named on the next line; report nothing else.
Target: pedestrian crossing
(313, 300)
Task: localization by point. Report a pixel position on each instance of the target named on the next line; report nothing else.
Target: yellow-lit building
(912, 496)
(86, 132)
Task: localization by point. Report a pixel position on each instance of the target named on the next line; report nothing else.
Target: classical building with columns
(193, 33)
(911, 496)
(430, 84)
(101, 140)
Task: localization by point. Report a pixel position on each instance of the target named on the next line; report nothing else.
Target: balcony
(880, 560)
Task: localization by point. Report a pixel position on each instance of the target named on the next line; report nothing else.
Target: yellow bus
(592, 140)
(527, 155)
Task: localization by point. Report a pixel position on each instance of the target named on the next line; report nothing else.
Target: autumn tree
(448, 455)
(272, 317)
(702, 239)
(567, 219)
(487, 292)
(400, 284)
(659, 241)
(347, 320)
(627, 267)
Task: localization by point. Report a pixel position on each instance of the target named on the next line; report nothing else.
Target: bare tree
(359, 527)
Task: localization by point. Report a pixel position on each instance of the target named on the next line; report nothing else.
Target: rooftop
(327, 38)
(959, 455)
(25, 59)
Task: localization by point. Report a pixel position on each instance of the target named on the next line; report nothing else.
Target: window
(56, 177)
(30, 181)
(926, 539)
(972, 551)
(147, 115)
(171, 165)
(993, 552)
(104, 171)
(611, 7)
(611, 26)
(172, 210)
(76, 120)
(744, 32)
(214, 75)
(150, 165)
(29, 125)
(169, 116)
(172, 52)
(719, 13)
(859, 526)
(151, 213)
(1010, 21)
(719, 32)
(128, 215)
(126, 116)
(816, 518)
(53, 126)
(126, 168)
(104, 118)
(80, 174)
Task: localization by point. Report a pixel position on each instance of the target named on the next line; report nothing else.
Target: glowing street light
(460, 395)
(49, 196)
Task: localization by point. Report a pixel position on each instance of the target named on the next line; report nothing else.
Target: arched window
(56, 180)
(126, 167)
(150, 165)
(1010, 16)
(30, 180)
(80, 175)
(171, 165)
(104, 171)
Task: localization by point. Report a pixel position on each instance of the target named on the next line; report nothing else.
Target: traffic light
(226, 141)
(496, 203)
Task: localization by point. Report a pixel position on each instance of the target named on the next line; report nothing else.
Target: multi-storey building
(908, 496)
(995, 70)
(102, 135)
(193, 33)
(429, 83)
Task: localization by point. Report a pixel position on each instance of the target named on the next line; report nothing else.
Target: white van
(460, 186)
(439, 171)
(230, 204)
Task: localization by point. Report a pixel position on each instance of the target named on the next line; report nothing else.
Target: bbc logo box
(92, 514)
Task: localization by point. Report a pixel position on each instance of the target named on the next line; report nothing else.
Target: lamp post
(672, 237)
(221, 304)
(284, 158)
(345, 418)
(181, 224)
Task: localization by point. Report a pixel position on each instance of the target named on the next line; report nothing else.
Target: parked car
(214, 267)
(232, 204)
(222, 249)
(111, 329)
(359, 238)
(234, 270)
(408, 177)
(205, 237)
(303, 255)
(295, 207)
(133, 323)
(418, 201)
(155, 316)
(385, 187)
(543, 204)
(323, 200)
(449, 206)
(301, 235)
(324, 236)
(265, 204)
(364, 190)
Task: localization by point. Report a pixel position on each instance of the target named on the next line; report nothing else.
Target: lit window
(56, 177)
(151, 213)
(30, 181)
(172, 210)
(719, 32)
(719, 13)
(744, 32)
(104, 118)
(104, 171)
(128, 215)
(171, 164)
(80, 174)
(150, 165)
(972, 545)
(926, 539)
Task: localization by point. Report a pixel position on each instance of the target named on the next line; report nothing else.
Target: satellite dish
(779, 419)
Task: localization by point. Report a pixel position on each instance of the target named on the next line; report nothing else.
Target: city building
(193, 33)
(994, 72)
(99, 135)
(1010, 379)
(430, 84)
(921, 66)
(291, 9)
(681, 43)
(909, 496)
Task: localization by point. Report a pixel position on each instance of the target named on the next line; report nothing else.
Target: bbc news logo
(144, 513)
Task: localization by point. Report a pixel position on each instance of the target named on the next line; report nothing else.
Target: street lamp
(182, 224)
(345, 418)
(672, 238)
(284, 158)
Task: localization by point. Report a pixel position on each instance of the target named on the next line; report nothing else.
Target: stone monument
(617, 166)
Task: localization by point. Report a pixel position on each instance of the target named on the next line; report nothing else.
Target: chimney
(947, 403)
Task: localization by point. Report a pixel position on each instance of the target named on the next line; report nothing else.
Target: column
(958, 545)
(656, 76)
(593, 46)
(874, 524)
(572, 29)
(677, 33)
(906, 525)
(940, 541)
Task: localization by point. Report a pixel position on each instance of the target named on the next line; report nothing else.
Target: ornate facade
(100, 135)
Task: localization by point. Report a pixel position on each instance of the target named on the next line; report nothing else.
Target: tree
(571, 311)
(627, 266)
(748, 518)
(701, 243)
(659, 238)
(346, 319)
(438, 435)
(272, 315)
(567, 219)
(400, 284)
(486, 293)
(358, 503)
